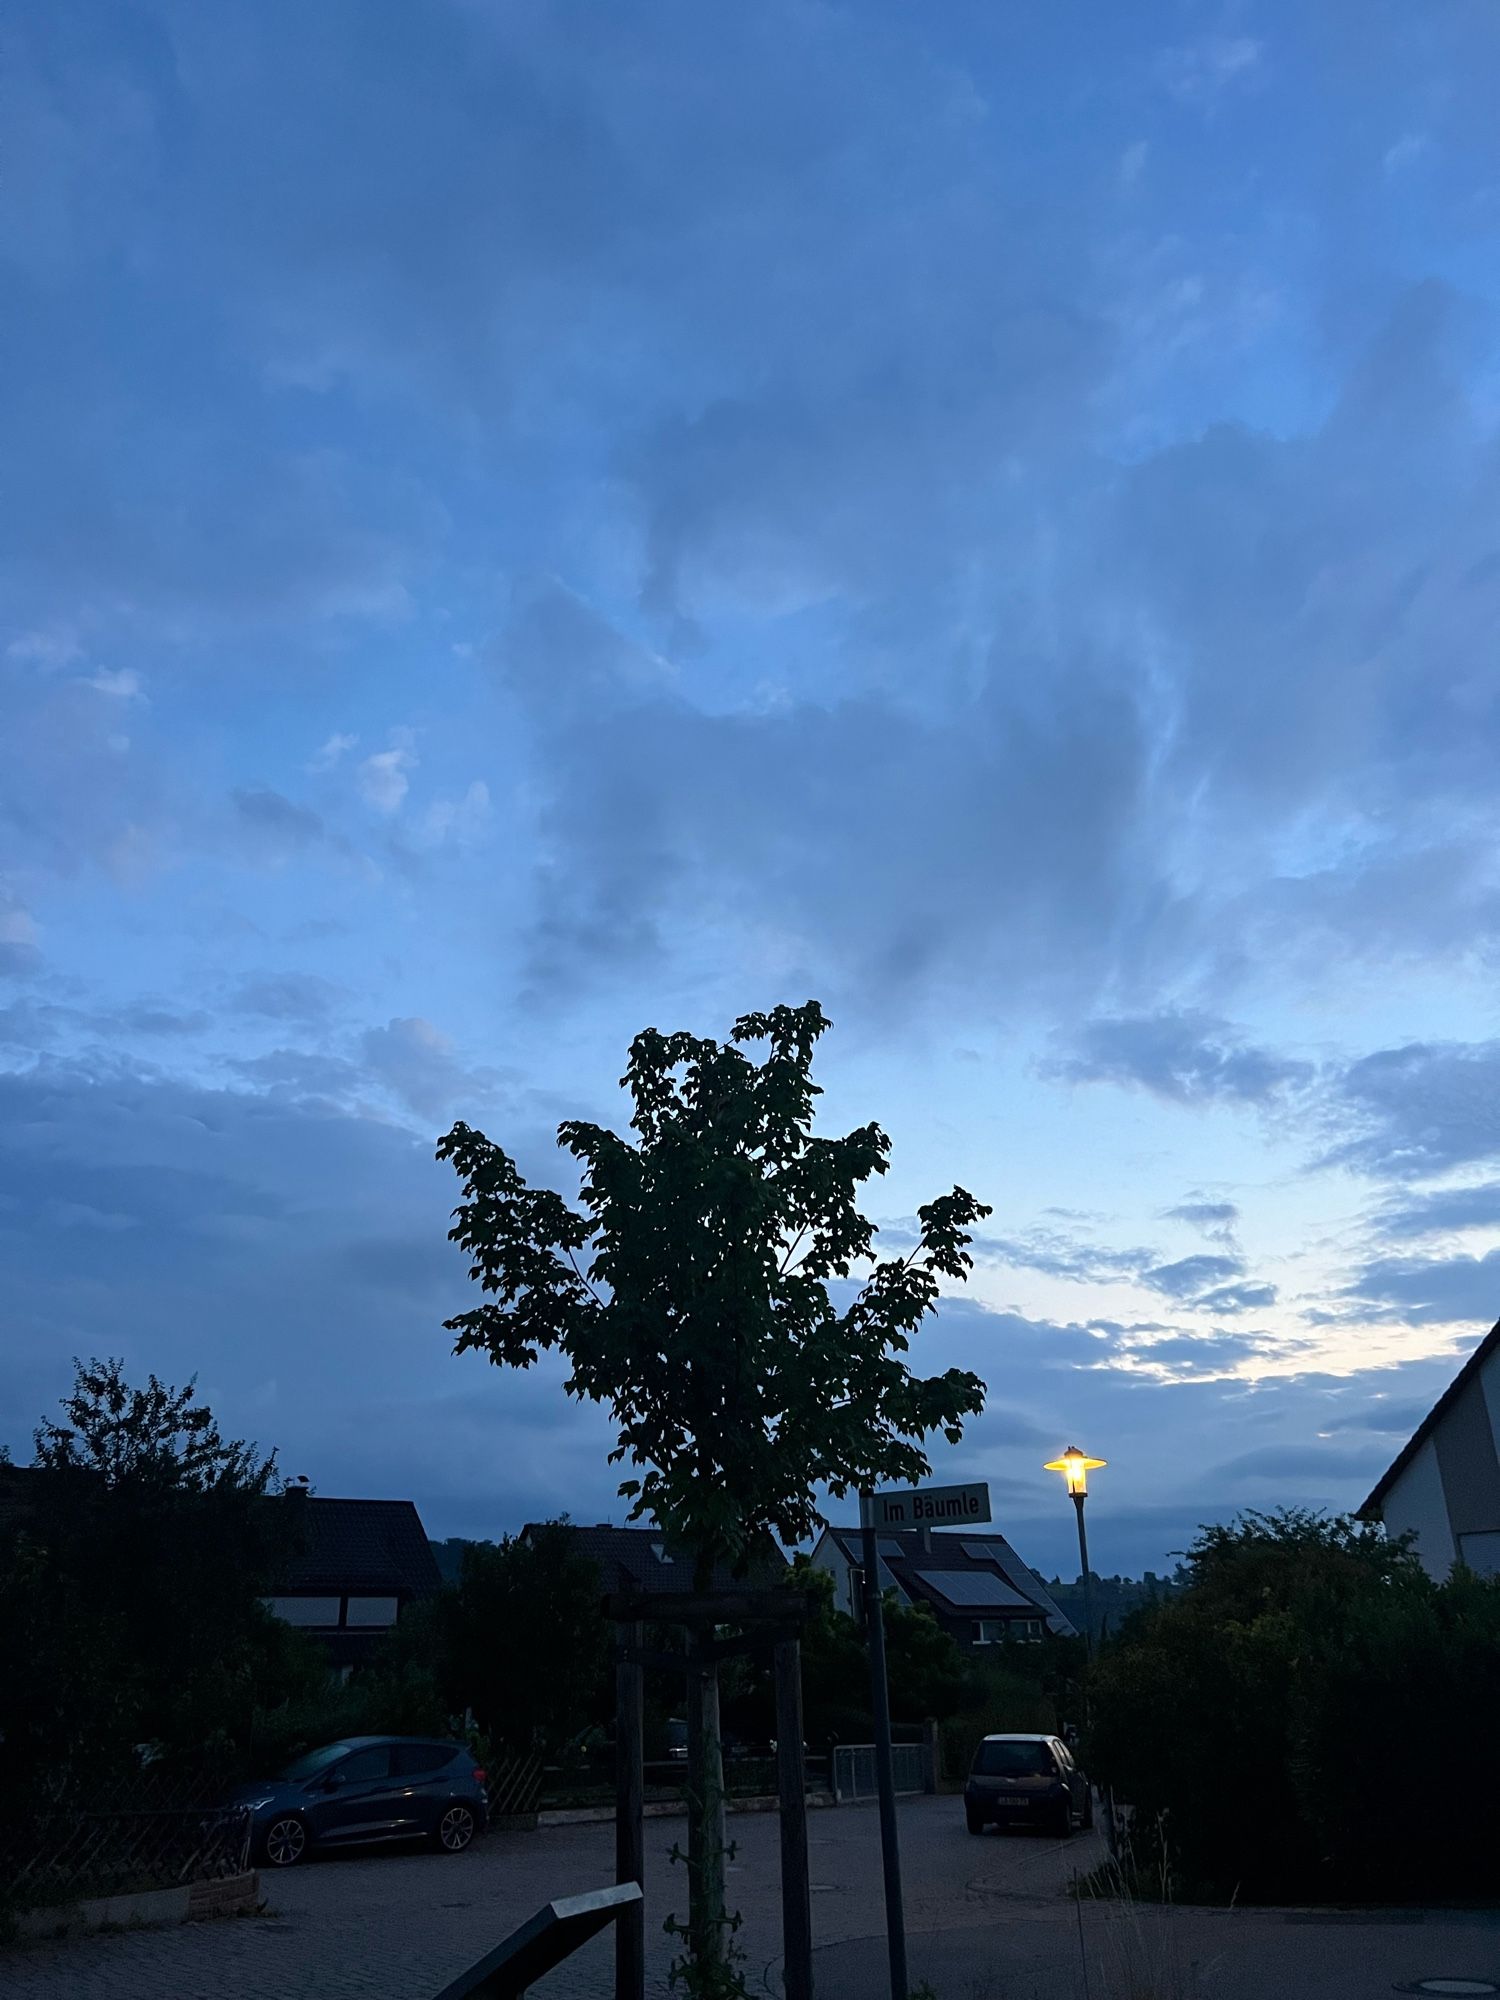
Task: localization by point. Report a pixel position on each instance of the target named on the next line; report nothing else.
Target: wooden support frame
(630, 1830)
(775, 1619)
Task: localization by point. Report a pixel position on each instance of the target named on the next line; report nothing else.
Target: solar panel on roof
(887, 1547)
(967, 1588)
(984, 1552)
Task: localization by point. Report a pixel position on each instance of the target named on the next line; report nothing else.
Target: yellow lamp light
(1075, 1466)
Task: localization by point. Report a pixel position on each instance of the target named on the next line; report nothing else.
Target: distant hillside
(1114, 1597)
(449, 1555)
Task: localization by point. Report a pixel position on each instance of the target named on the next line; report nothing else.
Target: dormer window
(659, 1550)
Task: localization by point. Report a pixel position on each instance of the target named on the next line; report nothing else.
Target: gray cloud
(417, 1063)
(1215, 1218)
(285, 996)
(658, 808)
(1060, 1255)
(1429, 1291)
(913, 462)
(277, 819)
(1387, 1419)
(1436, 1211)
(1189, 1058)
(45, 1024)
(292, 1256)
(1186, 1354)
(408, 1065)
(1189, 1277)
(1252, 1297)
(1425, 1108)
(1315, 1469)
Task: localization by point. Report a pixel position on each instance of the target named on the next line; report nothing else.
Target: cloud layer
(525, 523)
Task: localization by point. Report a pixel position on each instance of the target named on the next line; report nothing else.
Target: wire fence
(514, 1786)
(157, 1834)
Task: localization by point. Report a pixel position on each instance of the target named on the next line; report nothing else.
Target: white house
(1444, 1486)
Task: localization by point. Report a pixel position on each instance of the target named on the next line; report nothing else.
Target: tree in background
(520, 1641)
(689, 1292)
(1268, 1723)
(130, 1586)
(930, 1675)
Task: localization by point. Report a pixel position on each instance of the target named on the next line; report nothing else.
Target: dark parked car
(1027, 1781)
(363, 1790)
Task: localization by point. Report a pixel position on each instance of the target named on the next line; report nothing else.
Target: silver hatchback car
(1027, 1781)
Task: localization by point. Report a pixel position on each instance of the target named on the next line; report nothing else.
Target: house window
(371, 1611)
(996, 1631)
(1481, 1552)
(658, 1549)
(304, 1610)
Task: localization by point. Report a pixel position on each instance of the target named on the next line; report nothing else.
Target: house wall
(829, 1558)
(1416, 1505)
(1449, 1496)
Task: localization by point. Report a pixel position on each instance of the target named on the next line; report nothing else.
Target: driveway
(398, 1926)
(988, 1920)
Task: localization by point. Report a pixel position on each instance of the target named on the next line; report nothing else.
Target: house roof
(967, 1572)
(628, 1559)
(378, 1546)
(1487, 1346)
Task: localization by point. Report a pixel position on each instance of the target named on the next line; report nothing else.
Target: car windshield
(1014, 1760)
(308, 1766)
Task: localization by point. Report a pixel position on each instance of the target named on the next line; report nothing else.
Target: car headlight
(255, 1805)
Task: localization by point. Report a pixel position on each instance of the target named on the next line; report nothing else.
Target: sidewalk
(1110, 1952)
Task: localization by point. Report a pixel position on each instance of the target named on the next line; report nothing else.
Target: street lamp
(1075, 1466)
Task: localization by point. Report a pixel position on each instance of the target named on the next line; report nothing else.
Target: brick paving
(987, 1921)
(399, 1926)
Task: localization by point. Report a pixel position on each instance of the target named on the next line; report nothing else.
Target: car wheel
(974, 1820)
(284, 1842)
(1088, 1809)
(1062, 1825)
(454, 1830)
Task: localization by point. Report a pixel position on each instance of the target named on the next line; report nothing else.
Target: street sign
(926, 1506)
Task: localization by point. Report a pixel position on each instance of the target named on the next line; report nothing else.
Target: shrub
(1277, 1727)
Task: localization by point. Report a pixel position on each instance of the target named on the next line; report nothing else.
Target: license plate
(1012, 1799)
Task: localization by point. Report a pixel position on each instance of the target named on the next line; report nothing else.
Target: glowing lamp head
(1075, 1466)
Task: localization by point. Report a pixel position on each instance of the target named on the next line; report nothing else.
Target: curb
(227, 1897)
(660, 1809)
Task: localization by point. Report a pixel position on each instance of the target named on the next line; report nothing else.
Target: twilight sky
(525, 520)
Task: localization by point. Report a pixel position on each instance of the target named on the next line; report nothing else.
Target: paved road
(988, 1921)
(398, 1926)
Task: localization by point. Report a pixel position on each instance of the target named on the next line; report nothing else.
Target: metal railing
(854, 1770)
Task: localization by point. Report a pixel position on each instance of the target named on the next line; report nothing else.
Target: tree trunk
(706, 1814)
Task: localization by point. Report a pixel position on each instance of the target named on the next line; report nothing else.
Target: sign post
(918, 1507)
(885, 1777)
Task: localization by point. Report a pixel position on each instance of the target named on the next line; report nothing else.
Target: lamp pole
(1075, 1466)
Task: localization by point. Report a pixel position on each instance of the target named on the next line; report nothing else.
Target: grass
(1136, 1952)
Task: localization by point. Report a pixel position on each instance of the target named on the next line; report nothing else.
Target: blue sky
(528, 520)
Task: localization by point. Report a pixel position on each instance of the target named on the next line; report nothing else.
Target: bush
(1274, 1726)
(1008, 1701)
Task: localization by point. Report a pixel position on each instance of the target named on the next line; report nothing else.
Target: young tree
(689, 1291)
